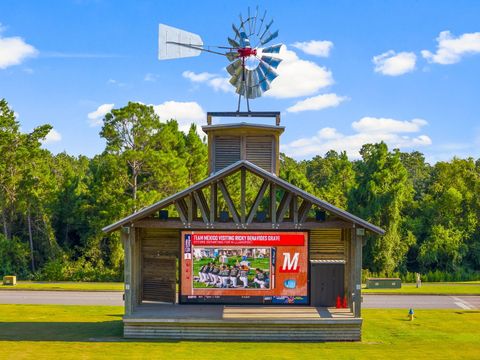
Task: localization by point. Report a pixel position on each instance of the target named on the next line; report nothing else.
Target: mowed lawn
(64, 286)
(95, 332)
(434, 288)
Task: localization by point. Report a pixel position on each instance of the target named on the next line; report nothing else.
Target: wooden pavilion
(245, 204)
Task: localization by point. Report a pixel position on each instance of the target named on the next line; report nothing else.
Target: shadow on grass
(62, 331)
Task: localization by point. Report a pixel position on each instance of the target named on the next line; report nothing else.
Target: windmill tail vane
(252, 67)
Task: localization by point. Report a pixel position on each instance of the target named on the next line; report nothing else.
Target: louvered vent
(227, 151)
(327, 244)
(260, 151)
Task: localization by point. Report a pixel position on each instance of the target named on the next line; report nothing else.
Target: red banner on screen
(248, 238)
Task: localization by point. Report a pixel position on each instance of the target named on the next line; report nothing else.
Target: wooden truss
(199, 210)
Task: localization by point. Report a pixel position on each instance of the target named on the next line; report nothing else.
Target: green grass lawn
(453, 288)
(65, 286)
(87, 332)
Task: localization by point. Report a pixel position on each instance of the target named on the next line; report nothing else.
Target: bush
(15, 258)
(64, 269)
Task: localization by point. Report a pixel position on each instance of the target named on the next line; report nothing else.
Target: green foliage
(63, 269)
(333, 177)
(14, 256)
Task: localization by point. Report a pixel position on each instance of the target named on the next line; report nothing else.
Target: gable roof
(261, 173)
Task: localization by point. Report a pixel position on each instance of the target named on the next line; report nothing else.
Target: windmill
(252, 67)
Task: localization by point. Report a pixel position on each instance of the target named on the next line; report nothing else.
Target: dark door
(159, 279)
(326, 283)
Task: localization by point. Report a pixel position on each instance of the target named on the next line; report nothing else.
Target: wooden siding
(160, 251)
(260, 151)
(327, 244)
(227, 151)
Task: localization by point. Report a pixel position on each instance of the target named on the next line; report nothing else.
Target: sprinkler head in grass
(410, 314)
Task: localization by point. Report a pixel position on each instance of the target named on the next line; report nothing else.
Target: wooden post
(243, 181)
(357, 271)
(190, 209)
(295, 209)
(213, 202)
(273, 203)
(228, 200)
(128, 239)
(258, 200)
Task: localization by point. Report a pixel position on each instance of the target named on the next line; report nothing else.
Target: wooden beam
(181, 211)
(173, 223)
(283, 207)
(228, 200)
(243, 181)
(295, 209)
(257, 202)
(273, 203)
(303, 211)
(190, 208)
(213, 202)
(202, 205)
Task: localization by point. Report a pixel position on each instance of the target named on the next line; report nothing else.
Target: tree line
(53, 207)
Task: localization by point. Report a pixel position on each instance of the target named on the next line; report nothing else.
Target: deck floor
(166, 312)
(241, 323)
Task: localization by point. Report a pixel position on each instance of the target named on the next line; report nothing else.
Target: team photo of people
(243, 268)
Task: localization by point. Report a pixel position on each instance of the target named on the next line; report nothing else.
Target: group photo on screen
(232, 268)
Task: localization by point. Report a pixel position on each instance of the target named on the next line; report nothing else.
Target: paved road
(115, 298)
(61, 297)
(421, 302)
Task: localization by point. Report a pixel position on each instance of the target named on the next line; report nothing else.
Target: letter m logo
(290, 264)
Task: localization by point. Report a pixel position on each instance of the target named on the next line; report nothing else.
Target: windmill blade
(263, 83)
(269, 72)
(261, 23)
(255, 21)
(253, 90)
(233, 43)
(233, 67)
(269, 38)
(274, 49)
(231, 55)
(272, 61)
(175, 43)
(266, 29)
(235, 30)
(244, 40)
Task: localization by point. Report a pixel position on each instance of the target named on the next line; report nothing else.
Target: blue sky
(406, 72)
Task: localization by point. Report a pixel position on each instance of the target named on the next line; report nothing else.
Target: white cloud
(221, 84)
(384, 125)
(115, 82)
(14, 50)
(216, 82)
(319, 48)
(150, 77)
(52, 136)
(450, 49)
(185, 113)
(200, 77)
(318, 102)
(298, 77)
(367, 130)
(393, 64)
(96, 117)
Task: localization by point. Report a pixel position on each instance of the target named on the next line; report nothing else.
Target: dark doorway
(326, 283)
(159, 279)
